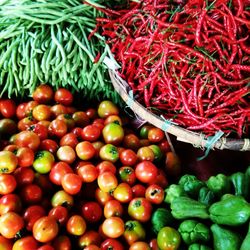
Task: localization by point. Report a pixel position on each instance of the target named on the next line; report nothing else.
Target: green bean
(8, 52)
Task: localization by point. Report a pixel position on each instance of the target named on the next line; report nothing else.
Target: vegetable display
(186, 60)
(48, 41)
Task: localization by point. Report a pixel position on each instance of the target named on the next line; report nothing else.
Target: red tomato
(85, 150)
(27, 139)
(10, 224)
(113, 119)
(99, 122)
(153, 244)
(5, 244)
(66, 154)
(88, 172)
(7, 127)
(140, 209)
(25, 156)
(111, 244)
(92, 247)
(31, 194)
(128, 157)
(127, 174)
(40, 129)
(91, 133)
(146, 171)
(32, 214)
(92, 211)
(172, 164)
(30, 106)
(45, 229)
(76, 225)
(60, 213)
(57, 128)
(107, 181)
(91, 113)
(155, 194)
(10, 203)
(81, 118)
(106, 166)
(139, 245)
(70, 139)
(41, 112)
(8, 162)
(145, 154)
(20, 110)
(25, 243)
(113, 227)
(62, 242)
(26, 123)
(161, 179)
(63, 96)
(102, 197)
(164, 146)
(7, 108)
(89, 238)
(49, 145)
(24, 176)
(131, 141)
(67, 118)
(43, 94)
(113, 208)
(7, 184)
(123, 193)
(58, 109)
(62, 198)
(58, 171)
(71, 183)
(155, 135)
(46, 247)
(138, 190)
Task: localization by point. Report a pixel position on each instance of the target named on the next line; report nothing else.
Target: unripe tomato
(127, 175)
(113, 133)
(43, 162)
(168, 238)
(134, 231)
(8, 162)
(109, 152)
(145, 154)
(107, 108)
(62, 198)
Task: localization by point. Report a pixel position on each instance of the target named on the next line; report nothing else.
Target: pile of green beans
(47, 41)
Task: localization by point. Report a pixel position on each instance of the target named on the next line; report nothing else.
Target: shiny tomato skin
(20, 110)
(7, 108)
(57, 128)
(153, 244)
(107, 108)
(70, 139)
(24, 176)
(7, 127)
(113, 227)
(63, 96)
(62, 242)
(66, 154)
(43, 162)
(81, 118)
(31, 214)
(155, 135)
(109, 152)
(168, 238)
(127, 175)
(69, 121)
(45, 229)
(26, 123)
(92, 247)
(46, 247)
(7, 184)
(155, 194)
(27, 139)
(41, 112)
(85, 150)
(106, 166)
(91, 133)
(71, 183)
(30, 106)
(25, 243)
(60, 213)
(146, 171)
(8, 162)
(43, 94)
(62, 198)
(92, 211)
(10, 224)
(6, 244)
(113, 119)
(102, 197)
(49, 145)
(25, 156)
(123, 192)
(58, 109)
(140, 209)
(107, 181)
(138, 245)
(113, 208)
(10, 203)
(88, 172)
(128, 157)
(76, 225)
(40, 129)
(89, 238)
(113, 133)
(131, 141)
(31, 194)
(111, 244)
(138, 190)
(145, 154)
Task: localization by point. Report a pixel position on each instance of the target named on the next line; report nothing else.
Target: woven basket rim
(182, 134)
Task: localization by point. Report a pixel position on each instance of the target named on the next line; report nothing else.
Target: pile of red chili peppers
(188, 60)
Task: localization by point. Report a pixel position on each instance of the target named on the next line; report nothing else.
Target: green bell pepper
(173, 191)
(225, 239)
(232, 211)
(197, 246)
(246, 242)
(240, 185)
(219, 184)
(193, 231)
(206, 196)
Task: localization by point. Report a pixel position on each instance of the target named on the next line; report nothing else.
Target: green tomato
(62, 198)
(107, 108)
(168, 238)
(144, 131)
(157, 152)
(43, 162)
(134, 231)
(109, 152)
(113, 133)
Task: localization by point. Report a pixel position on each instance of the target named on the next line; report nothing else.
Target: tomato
(25, 123)
(128, 157)
(113, 133)
(49, 145)
(25, 156)
(32, 214)
(105, 166)
(31, 193)
(144, 131)
(30, 106)
(140, 209)
(60, 213)
(161, 179)
(123, 193)
(58, 109)
(113, 119)
(113, 227)
(72, 183)
(41, 112)
(107, 108)
(5, 244)
(63, 96)
(62, 242)
(7, 108)
(20, 110)
(81, 118)
(46, 247)
(92, 247)
(10, 203)
(76, 225)
(146, 171)
(153, 244)
(113, 208)
(172, 164)
(43, 94)
(62, 198)
(111, 244)
(8, 162)
(139, 245)
(10, 224)
(24, 176)
(40, 128)
(57, 128)
(107, 181)
(164, 146)
(27, 139)
(92, 211)
(91, 133)
(131, 141)
(43, 162)
(138, 190)
(145, 154)
(7, 184)
(91, 113)
(155, 194)
(45, 229)
(134, 231)
(155, 135)
(70, 139)
(109, 152)
(69, 121)
(66, 154)
(25, 243)
(7, 127)
(88, 172)
(99, 122)
(89, 238)
(157, 152)
(168, 238)
(85, 150)
(102, 197)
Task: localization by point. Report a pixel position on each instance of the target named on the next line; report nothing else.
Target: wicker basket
(197, 139)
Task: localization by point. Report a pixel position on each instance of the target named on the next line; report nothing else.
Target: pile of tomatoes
(78, 177)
